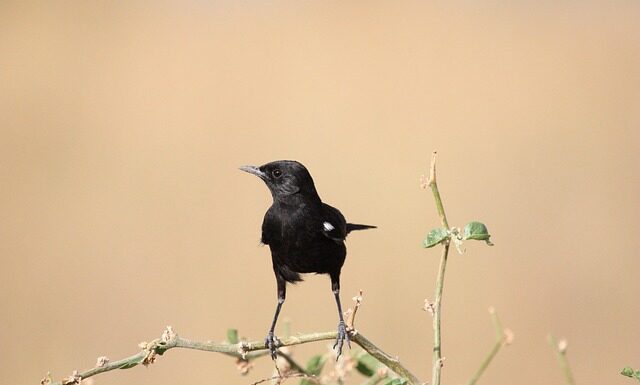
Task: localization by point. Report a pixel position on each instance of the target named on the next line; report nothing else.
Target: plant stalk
(501, 340)
(437, 306)
(561, 355)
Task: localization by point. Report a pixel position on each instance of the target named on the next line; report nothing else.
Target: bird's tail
(354, 226)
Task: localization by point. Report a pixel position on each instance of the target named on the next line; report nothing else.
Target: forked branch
(246, 350)
(503, 337)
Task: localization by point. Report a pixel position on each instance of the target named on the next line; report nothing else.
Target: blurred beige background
(123, 124)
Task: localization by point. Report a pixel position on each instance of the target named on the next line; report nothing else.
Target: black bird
(304, 235)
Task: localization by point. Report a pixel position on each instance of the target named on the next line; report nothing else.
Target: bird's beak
(254, 170)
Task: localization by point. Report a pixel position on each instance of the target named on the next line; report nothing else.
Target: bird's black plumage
(304, 234)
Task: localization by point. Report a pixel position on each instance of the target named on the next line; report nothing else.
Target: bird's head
(285, 178)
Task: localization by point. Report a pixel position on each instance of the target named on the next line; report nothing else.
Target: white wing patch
(328, 226)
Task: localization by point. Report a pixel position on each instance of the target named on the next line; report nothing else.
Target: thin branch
(436, 194)
(292, 363)
(285, 354)
(350, 314)
(392, 363)
(560, 347)
(437, 318)
(287, 376)
(246, 350)
(503, 337)
(437, 314)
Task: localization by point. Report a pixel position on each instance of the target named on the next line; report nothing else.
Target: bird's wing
(334, 225)
(269, 227)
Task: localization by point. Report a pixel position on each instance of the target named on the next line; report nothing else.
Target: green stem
(500, 341)
(437, 318)
(437, 306)
(436, 194)
(561, 354)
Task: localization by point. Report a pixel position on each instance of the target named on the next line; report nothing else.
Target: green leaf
(315, 364)
(314, 367)
(232, 336)
(436, 236)
(396, 381)
(629, 372)
(477, 231)
(367, 364)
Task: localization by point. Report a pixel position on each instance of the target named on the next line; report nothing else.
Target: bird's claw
(272, 342)
(343, 335)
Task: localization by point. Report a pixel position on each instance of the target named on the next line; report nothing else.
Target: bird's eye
(276, 173)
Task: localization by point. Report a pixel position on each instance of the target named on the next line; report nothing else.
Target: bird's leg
(271, 341)
(342, 329)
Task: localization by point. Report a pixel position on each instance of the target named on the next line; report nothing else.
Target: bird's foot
(343, 335)
(272, 342)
